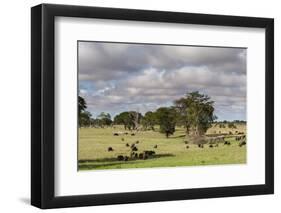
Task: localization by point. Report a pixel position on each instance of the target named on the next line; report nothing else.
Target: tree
(124, 119)
(166, 117)
(130, 120)
(104, 119)
(222, 125)
(135, 118)
(181, 106)
(196, 113)
(81, 104)
(231, 125)
(149, 120)
(84, 116)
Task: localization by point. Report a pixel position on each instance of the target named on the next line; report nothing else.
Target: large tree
(81, 104)
(149, 120)
(135, 118)
(166, 117)
(104, 119)
(83, 114)
(124, 119)
(196, 113)
(85, 119)
(130, 120)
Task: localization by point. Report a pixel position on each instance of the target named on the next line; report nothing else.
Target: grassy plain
(94, 142)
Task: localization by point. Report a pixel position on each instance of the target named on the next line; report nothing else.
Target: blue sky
(116, 77)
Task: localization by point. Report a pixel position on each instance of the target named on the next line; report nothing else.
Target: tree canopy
(81, 104)
(149, 120)
(130, 120)
(166, 117)
(196, 112)
(84, 116)
(104, 119)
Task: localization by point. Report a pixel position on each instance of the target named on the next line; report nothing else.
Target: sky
(117, 77)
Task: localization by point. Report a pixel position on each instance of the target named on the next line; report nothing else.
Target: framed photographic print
(139, 106)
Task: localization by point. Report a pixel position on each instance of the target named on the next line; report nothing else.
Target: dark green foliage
(239, 121)
(222, 126)
(104, 119)
(81, 104)
(231, 125)
(84, 116)
(124, 119)
(166, 117)
(130, 120)
(149, 120)
(195, 112)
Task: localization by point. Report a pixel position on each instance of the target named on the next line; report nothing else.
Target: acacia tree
(196, 113)
(166, 117)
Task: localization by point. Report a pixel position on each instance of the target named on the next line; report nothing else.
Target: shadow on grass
(107, 162)
(178, 136)
(103, 165)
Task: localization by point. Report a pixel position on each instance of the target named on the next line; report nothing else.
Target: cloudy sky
(116, 77)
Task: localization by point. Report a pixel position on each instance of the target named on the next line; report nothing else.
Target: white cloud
(144, 77)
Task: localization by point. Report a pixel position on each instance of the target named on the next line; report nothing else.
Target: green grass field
(94, 142)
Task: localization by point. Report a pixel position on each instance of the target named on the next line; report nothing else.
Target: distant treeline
(229, 124)
(234, 121)
(194, 111)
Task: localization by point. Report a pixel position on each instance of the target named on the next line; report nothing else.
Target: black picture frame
(43, 102)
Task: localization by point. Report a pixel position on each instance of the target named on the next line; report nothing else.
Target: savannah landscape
(156, 105)
(107, 144)
(170, 152)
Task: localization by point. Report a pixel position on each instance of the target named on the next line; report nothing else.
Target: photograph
(130, 105)
(139, 105)
(160, 105)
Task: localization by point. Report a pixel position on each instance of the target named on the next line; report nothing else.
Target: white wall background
(15, 105)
